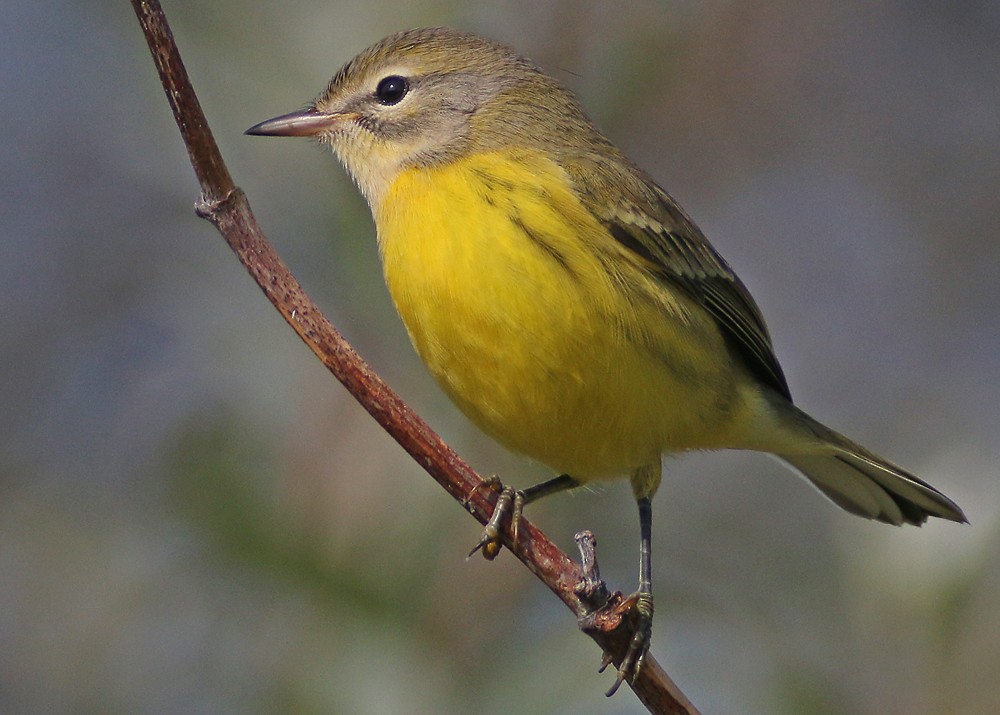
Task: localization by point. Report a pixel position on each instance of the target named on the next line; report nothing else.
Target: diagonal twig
(226, 206)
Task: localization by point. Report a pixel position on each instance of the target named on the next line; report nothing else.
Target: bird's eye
(392, 89)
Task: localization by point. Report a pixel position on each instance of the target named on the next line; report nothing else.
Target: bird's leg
(512, 502)
(640, 603)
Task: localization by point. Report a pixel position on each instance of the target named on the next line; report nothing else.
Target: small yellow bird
(562, 299)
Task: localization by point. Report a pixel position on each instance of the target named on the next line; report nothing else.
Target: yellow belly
(543, 330)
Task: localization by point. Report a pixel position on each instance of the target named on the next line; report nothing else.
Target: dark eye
(392, 89)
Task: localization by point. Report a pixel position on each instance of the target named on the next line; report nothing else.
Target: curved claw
(489, 543)
(642, 613)
(490, 482)
(607, 660)
(511, 502)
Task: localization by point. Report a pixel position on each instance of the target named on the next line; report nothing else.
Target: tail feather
(868, 485)
(879, 491)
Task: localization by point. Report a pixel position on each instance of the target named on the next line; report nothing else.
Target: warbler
(562, 299)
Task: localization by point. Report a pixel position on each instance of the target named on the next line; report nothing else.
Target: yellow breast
(540, 327)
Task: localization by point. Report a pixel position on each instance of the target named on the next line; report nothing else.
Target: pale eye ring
(392, 89)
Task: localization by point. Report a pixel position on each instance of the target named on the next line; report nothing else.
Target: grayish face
(414, 107)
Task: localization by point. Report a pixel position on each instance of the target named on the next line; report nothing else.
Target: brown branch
(226, 206)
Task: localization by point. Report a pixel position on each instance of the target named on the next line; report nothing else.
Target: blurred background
(195, 517)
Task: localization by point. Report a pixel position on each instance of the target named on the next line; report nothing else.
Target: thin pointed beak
(307, 123)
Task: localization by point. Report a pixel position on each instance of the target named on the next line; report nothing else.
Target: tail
(864, 483)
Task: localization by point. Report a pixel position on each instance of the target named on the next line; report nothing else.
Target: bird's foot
(629, 619)
(510, 504)
(637, 612)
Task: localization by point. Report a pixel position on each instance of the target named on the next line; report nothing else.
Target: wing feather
(653, 226)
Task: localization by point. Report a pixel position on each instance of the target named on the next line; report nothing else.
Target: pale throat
(375, 163)
(373, 167)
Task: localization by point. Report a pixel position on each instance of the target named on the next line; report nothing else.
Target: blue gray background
(194, 517)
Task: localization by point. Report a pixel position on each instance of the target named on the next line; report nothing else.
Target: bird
(561, 298)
